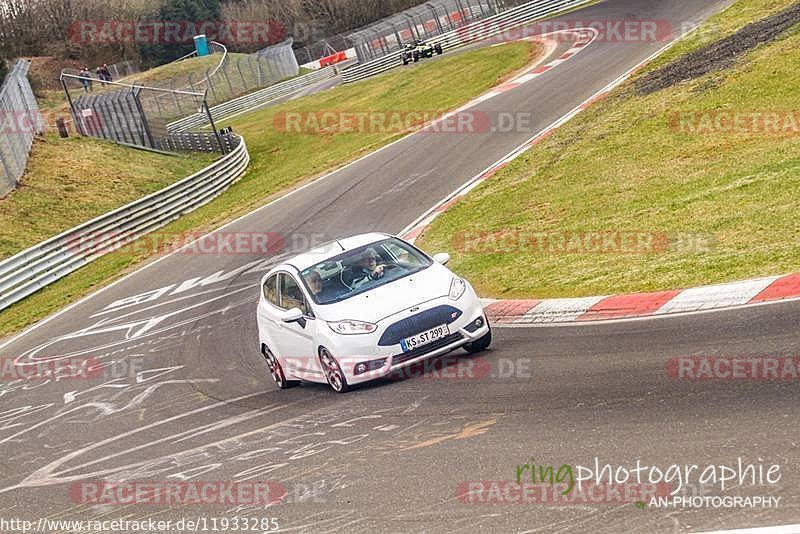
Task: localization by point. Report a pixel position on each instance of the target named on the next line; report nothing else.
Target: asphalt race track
(391, 455)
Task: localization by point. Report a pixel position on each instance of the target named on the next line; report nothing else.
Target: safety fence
(20, 122)
(425, 21)
(34, 268)
(138, 110)
(470, 33)
(253, 100)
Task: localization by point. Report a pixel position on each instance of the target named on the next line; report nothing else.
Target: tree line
(54, 27)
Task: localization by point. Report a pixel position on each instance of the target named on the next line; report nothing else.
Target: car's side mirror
(442, 257)
(291, 316)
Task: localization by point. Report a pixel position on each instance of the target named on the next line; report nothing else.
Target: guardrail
(253, 100)
(43, 264)
(470, 33)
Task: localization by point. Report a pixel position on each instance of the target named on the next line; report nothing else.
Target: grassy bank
(280, 160)
(70, 181)
(722, 205)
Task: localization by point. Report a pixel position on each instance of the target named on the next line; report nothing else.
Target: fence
(425, 21)
(139, 113)
(21, 121)
(30, 270)
(471, 33)
(280, 59)
(253, 100)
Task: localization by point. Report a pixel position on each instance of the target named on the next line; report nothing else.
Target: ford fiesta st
(360, 308)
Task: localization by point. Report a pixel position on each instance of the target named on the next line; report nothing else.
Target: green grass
(620, 167)
(281, 161)
(74, 180)
(196, 66)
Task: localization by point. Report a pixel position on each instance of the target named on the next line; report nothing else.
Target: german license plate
(414, 342)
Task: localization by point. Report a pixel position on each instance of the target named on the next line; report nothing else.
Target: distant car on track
(360, 308)
(416, 50)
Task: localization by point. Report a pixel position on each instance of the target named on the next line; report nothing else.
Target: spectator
(106, 73)
(99, 73)
(86, 79)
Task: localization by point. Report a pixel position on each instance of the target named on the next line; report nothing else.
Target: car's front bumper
(350, 351)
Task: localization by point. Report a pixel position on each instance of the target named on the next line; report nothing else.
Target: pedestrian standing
(86, 79)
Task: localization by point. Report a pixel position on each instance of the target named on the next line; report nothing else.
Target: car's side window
(271, 290)
(291, 294)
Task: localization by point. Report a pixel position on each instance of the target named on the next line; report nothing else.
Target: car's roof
(333, 248)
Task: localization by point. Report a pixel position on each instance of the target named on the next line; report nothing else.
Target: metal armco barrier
(470, 33)
(34, 268)
(253, 100)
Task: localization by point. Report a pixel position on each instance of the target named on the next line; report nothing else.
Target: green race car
(416, 50)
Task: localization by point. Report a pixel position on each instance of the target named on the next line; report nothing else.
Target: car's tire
(416, 56)
(276, 370)
(333, 371)
(439, 49)
(480, 344)
(405, 60)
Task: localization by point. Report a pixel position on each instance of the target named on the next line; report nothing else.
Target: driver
(367, 268)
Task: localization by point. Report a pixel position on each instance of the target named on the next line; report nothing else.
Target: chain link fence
(138, 112)
(21, 122)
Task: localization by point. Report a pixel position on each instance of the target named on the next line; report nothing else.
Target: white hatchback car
(360, 308)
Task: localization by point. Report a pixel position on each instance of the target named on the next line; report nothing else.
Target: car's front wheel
(276, 370)
(480, 344)
(333, 371)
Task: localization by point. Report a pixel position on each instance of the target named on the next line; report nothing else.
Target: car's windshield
(362, 269)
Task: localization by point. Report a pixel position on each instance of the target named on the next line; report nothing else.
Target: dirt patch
(720, 54)
(46, 71)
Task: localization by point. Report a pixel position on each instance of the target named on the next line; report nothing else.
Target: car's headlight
(349, 327)
(457, 288)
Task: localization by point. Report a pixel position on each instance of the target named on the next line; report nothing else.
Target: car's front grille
(418, 323)
(425, 349)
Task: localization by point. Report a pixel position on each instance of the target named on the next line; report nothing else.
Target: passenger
(314, 282)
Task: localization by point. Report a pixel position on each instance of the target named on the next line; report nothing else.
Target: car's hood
(394, 297)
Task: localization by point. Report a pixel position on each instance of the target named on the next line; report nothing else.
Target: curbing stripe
(620, 306)
(783, 288)
(559, 310)
(508, 311)
(716, 296)
(641, 305)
